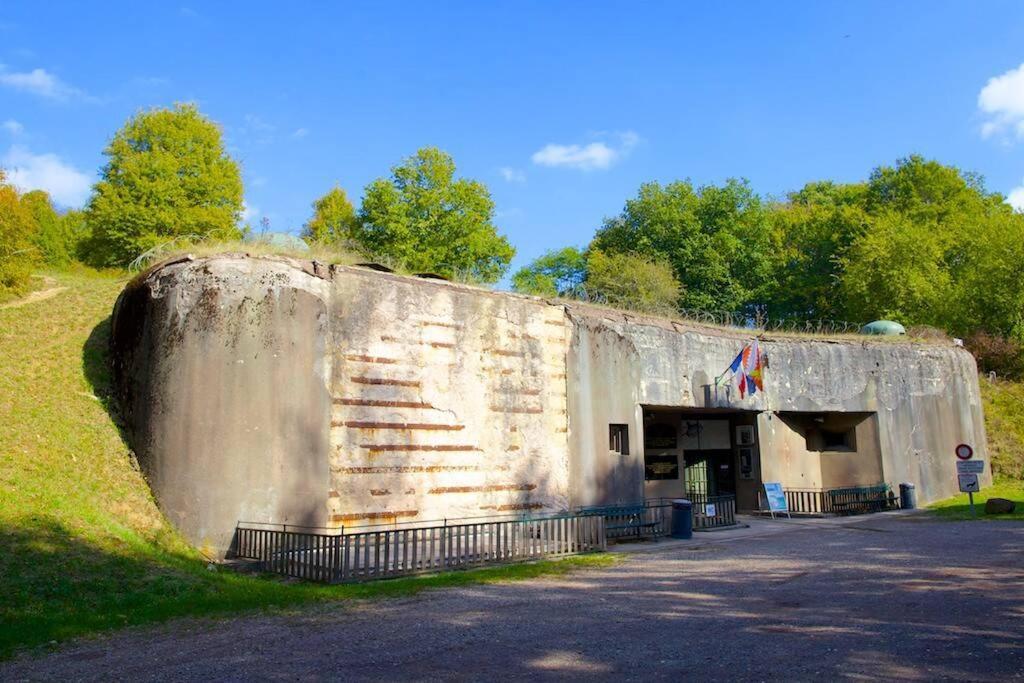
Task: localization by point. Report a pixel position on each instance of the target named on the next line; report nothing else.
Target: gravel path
(894, 598)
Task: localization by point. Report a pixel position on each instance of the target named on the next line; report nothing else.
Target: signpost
(967, 472)
(776, 498)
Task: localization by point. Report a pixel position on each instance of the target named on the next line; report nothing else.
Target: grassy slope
(82, 544)
(959, 507)
(1004, 423)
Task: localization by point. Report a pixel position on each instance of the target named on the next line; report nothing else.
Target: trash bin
(682, 518)
(908, 499)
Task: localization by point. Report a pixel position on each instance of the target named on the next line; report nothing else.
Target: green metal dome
(885, 327)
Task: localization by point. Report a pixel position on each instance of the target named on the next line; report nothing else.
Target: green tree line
(919, 242)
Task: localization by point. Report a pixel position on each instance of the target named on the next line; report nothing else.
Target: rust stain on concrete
(428, 426)
(520, 411)
(387, 514)
(417, 469)
(407, 447)
(380, 403)
(482, 489)
(371, 359)
(386, 381)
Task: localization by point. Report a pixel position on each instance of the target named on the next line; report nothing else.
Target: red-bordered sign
(964, 452)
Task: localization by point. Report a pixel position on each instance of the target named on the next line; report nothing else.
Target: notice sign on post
(970, 466)
(776, 498)
(968, 484)
(967, 471)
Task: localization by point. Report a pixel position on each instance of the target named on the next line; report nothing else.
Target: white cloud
(39, 82)
(249, 212)
(300, 133)
(27, 171)
(1016, 198)
(1002, 102)
(257, 131)
(512, 175)
(13, 127)
(590, 157)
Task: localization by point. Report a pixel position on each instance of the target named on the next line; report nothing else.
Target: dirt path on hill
(50, 290)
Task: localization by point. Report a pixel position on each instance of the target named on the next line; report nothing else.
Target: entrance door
(707, 451)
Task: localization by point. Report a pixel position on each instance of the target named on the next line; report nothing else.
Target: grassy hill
(83, 546)
(1004, 424)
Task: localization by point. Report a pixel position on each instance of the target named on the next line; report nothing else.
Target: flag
(748, 370)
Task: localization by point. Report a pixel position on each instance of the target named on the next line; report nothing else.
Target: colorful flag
(748, 370)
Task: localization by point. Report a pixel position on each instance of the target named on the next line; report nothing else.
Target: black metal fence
(329, 556)
(849, 500)
(709, 512)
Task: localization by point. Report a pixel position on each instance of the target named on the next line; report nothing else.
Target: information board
(776, 497)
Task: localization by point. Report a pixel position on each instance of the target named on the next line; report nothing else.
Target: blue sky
(562, 109)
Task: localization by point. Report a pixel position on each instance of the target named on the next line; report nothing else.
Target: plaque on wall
(661, 467)
(660, 436)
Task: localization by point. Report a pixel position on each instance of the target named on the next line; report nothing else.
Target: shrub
(997, 354)
(17, 253)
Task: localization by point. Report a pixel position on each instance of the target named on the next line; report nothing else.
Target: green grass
(83, 547)
(1004, 424)
(959, 506)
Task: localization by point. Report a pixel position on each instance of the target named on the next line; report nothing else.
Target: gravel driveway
(895, 598)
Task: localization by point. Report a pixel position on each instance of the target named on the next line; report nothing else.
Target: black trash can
(682, 518)
(908, 499)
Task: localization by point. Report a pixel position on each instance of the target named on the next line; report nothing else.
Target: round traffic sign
(964, 452)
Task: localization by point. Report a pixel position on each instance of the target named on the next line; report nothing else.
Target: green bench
(626, 521)
(859, 500)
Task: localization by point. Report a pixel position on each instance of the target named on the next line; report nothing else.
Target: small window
(833, 440)
(618, 439)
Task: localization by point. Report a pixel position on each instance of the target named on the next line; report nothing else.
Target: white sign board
(970, 466)
(709, 509)
(968, 483)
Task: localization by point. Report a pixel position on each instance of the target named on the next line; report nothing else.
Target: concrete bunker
(275, 390)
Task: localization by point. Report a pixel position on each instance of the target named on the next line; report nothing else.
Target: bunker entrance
(701, 454)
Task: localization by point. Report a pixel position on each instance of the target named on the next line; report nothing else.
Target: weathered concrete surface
(882, 599)
(926, 398)
(224, 381)
(274, 390)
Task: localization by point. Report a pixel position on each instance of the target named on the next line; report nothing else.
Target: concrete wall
(268, 389)
(925, 397)
(447, 402)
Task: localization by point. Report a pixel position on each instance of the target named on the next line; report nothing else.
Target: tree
(17, 253)
(812, 232)
(939, 250)
(427, 220)
(167, 177)
(560, 272)
(334, 219)
(632, 282)
(52, 235)
(717, 240)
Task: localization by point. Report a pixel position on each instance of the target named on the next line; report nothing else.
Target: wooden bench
(629, 519)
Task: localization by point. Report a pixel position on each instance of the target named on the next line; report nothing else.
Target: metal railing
(709, 512)
(850, 500)
(339, 556)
